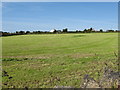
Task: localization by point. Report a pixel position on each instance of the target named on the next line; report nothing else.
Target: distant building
(53, 30)
(58, 31)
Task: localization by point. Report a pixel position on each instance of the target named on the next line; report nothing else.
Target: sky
(44, 16)
(60, 0)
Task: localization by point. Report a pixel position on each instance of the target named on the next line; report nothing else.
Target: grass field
(50, 60)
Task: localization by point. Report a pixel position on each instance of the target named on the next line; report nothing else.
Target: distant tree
(39, 32)
(85, 30)
(91, 29)
(22, 32)
(101, 30)
(77, 31)
(5, 33)
(17, 32)
(54, 31)
(65, 30)
(27, 32)
(110, 30)
(0, 33)
(35, 32)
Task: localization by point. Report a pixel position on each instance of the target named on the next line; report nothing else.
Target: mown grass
(46, 61)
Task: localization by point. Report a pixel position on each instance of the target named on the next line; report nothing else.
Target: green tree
(101, 30)
(27, 32)
(85, 30)
(22, 32)
(65, 30)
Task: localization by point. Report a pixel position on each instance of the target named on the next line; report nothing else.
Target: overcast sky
(50, 15)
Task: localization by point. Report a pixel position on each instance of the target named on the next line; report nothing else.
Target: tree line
(90, 30)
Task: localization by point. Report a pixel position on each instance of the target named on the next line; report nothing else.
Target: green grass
(56, 59)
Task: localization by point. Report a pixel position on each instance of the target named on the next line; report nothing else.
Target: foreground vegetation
(47, 61)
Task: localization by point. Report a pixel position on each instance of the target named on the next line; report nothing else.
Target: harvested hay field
(60, 60)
